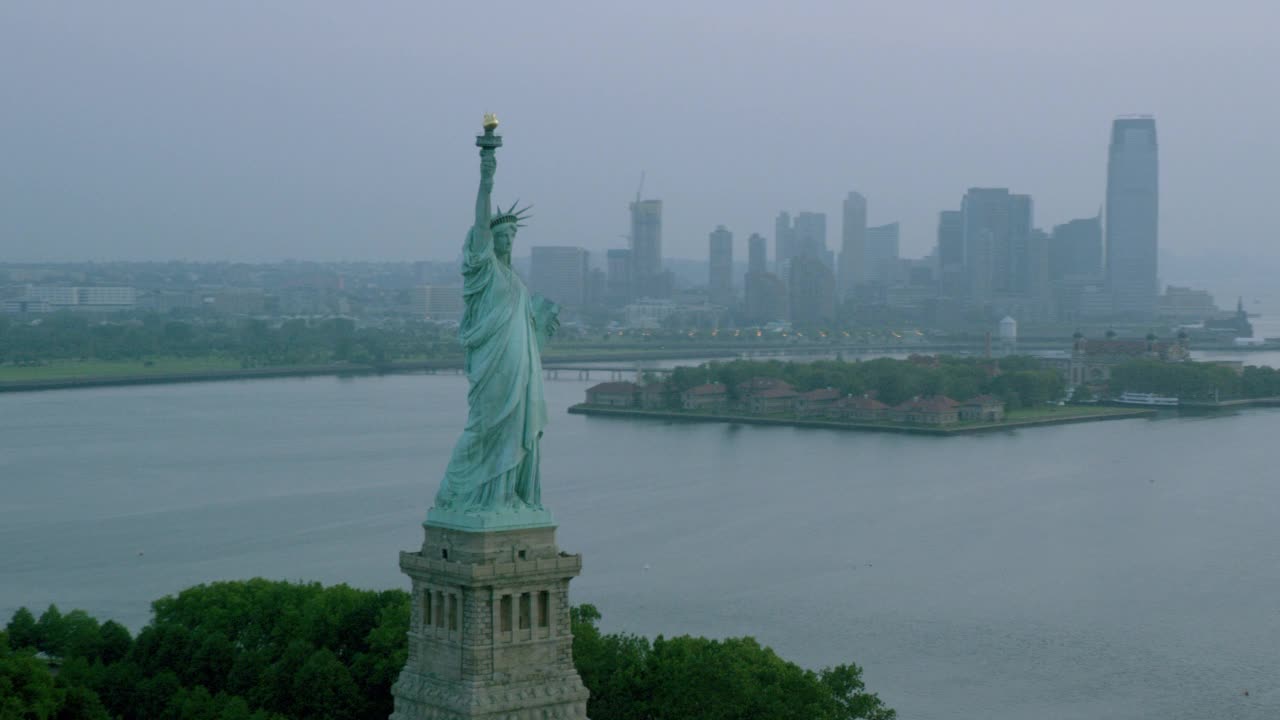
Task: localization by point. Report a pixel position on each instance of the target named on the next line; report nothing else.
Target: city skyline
(152, 132)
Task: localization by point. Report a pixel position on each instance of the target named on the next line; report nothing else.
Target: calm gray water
(1127, 569)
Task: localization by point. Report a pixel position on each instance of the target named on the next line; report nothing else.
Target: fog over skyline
(335, 131)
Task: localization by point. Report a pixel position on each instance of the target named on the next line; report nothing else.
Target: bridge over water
(615, 372)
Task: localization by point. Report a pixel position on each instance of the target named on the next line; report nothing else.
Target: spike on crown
(511, 215)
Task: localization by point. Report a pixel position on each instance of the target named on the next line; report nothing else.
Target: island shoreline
(596, 410)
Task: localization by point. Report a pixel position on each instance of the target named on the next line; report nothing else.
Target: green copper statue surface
(492, 479)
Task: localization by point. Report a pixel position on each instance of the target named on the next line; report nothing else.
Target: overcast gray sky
(341, 130)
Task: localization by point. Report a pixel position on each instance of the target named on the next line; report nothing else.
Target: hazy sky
(341, 130)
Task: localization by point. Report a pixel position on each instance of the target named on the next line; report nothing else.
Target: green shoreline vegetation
(270, 650)
(66, 350)
(1023, 382)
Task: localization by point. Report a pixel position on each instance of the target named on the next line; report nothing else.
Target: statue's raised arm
(481, 238)
(488, 166)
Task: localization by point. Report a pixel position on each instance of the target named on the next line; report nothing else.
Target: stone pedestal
(489, 633)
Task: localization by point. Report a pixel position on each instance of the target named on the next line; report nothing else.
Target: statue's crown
(511, 215)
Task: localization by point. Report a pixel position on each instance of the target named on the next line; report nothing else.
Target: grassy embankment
(184, 369)
(64, 369)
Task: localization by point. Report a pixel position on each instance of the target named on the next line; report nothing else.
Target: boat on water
(1147, 399)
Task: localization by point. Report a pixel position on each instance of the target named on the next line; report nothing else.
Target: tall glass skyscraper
(757, 254)
(1133, 204)
(853, 243)
(720, 278)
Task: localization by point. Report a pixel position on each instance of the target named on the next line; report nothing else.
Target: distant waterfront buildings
(619, 289)
(810, 237)
(647, 273)
(1184, 304)
(881, 255)
(438, 303)
(597, 289)
(1237, 325)
(764, 294)
(853, 240)
(54, 298)
(995, 222)
(1076, 270)
(805, 235)
(1091, 361)
(950, 254)
(1132, 216)
(783, 242)
(1076, 248)
(766, 299)
(720, 274)
(757, 254)
(560, 273)
(811, 292)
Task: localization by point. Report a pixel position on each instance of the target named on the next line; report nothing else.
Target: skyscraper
(757, 254)
(620, 289)
(881, 254)
(783, 242)
(811, 291)
(765, 295)
(559, 273)
(1132, 215)
(1031, 265)
(995, 221)
(597, 288)
(646, 249)
(811, 236)
(853, 238)
(951, 276)
(720, 279)
(766, 298)
(1075, 248)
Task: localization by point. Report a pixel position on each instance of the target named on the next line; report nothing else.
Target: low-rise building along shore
(772, 397)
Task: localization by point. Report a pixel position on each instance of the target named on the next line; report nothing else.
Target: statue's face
(503, 236)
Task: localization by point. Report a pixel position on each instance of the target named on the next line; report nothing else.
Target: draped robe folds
(494, 466)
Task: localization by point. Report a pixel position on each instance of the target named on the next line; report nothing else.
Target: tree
(323, 689)
(691, 677)
(80, 703)
(848, 692)
(22, 630)
(81, 635)
(114, 642)
(50, 635)
(264, 650)
(27, 689)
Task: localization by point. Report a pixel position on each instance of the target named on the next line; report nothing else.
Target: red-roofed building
(985, 408)
(931, 410)
(656, 396)
(817, 402)
(864, 408)
(711, 396)
(747, 388)
(775, 400)
(612, 394)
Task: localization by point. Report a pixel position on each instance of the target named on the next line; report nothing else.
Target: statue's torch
(488, 139)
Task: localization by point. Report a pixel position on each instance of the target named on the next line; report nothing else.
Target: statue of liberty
(494, 467)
